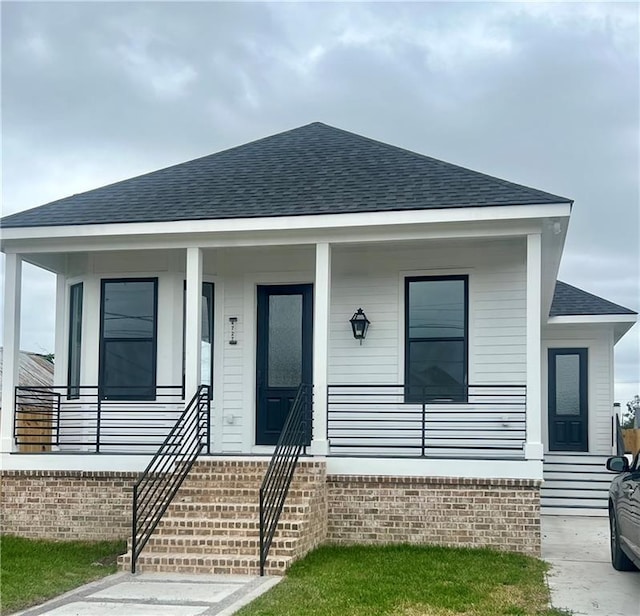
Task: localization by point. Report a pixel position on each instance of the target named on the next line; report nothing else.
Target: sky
(543, 94)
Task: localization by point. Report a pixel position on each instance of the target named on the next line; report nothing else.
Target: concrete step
(572, 456)
(582, 473)
(574, 502)
(577, 483)
(574, 493)
(180, 562)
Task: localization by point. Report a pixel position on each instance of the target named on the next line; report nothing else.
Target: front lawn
(408, 581)
(33, 570)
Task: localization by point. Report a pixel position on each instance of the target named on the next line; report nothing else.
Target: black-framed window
(128, 338)
(436, 340)
(206, 335)
(75, 340)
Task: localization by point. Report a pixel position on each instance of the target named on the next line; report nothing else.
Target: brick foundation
(66, 504)
(498, 513)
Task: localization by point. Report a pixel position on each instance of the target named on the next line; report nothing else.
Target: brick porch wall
(498, 513)
(66, 504)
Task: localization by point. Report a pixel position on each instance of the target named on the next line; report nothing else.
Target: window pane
(436, 308)
(206, 343)
(129, 371)
(437, 366)
(285, 341)
(129, 309)
(75, 340)
(567, 385)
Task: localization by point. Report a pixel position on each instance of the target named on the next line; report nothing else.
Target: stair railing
(620, 447)
(162, 478)
(275, 485)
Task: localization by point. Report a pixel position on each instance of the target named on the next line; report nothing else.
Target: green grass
(32, 570)
(408, 581)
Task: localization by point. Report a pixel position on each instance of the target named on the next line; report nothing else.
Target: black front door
(568, 414)
(284, 354)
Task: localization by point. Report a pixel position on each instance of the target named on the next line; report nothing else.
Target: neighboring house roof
(35, 370)
(569, 300)
(314, 169)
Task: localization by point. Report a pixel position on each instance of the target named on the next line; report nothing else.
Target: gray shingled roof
(314, 169)
(568, 300)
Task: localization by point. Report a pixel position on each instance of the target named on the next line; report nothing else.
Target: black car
(624, 513)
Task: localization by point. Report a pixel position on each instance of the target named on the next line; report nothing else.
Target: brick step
(224, 510)
(232, 496)
(217, 545)
(240, 526)
(230, 564)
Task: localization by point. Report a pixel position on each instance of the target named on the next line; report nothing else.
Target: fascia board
(293, 223)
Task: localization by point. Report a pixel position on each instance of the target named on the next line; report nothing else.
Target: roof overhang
(621, 323)
(23, 237)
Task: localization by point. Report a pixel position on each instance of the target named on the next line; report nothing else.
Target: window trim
(154, 339)
(407, 340)
(73, 389)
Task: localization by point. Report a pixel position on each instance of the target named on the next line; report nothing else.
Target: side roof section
(571, 301)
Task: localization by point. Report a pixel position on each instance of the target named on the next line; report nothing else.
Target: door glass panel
(567, 384)
(285, 341)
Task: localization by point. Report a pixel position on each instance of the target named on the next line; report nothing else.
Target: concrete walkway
(581, 578)
(158, 594)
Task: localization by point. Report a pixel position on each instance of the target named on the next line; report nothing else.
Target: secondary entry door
(568, 413)
(284, 354)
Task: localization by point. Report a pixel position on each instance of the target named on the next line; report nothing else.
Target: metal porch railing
(275, 485)
(47, 416)
(486, 421)
(162, 478)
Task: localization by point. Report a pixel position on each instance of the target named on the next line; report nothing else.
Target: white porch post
(193, 322)
(534, 449)
(11, 351)
(322, 303)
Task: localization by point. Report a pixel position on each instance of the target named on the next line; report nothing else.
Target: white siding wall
(598, 339)
(374, 280)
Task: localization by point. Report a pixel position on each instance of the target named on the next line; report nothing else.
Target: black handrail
(487, 421)
(275, 485)
(162, 478)
(620, 447)
(45, 416)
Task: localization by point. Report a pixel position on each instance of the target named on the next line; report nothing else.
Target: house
(249, 271)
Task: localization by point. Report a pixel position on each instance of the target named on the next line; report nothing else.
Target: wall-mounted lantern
(359, 325)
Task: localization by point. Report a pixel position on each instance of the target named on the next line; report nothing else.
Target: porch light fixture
(359, 325)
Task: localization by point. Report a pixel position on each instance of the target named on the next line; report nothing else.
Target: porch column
(193, 322)
(534, 449)
(11, 344)
(322, 303)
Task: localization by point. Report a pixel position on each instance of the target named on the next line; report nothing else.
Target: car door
(628, 508)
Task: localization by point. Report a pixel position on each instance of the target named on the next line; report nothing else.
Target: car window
(635, 465)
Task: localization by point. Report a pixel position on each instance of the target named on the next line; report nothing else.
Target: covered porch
(255, 320)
